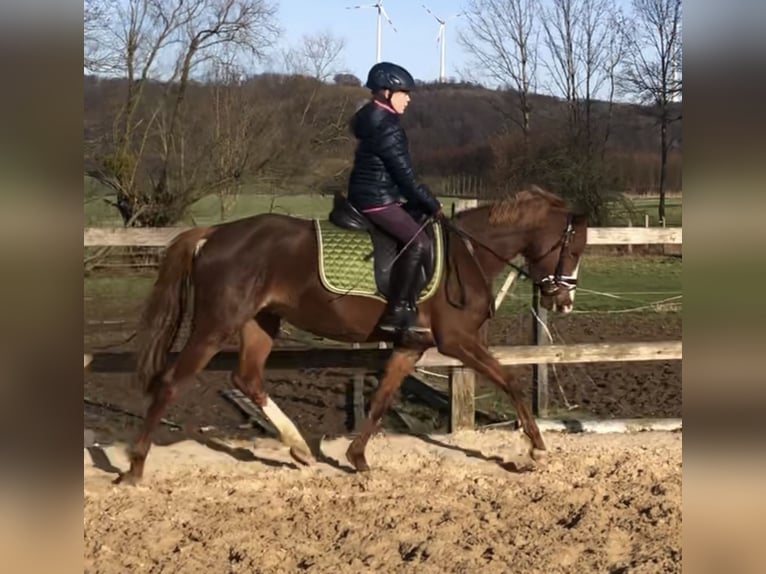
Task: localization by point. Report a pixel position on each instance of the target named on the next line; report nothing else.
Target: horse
(249, 275)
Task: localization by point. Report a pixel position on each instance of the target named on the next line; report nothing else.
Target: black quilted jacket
(382, 171)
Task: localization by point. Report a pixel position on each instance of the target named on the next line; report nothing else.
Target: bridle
(550, 285)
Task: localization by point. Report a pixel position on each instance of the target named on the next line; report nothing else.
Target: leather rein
(549, 285)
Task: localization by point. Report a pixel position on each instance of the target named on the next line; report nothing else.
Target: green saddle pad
(345, 269)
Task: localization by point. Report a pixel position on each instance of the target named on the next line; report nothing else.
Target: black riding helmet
(388, 76)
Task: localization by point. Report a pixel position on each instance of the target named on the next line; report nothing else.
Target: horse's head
(553, 240)
(554, 256)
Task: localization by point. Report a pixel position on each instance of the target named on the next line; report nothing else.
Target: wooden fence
(161, 236)
(461, 381)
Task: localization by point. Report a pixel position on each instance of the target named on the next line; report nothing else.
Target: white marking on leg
(288, 433)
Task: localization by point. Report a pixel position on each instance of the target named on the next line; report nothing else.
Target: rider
(382, 178)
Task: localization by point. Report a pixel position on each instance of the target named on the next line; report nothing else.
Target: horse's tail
(164, 310)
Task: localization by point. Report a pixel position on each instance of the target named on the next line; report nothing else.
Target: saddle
(349, 234)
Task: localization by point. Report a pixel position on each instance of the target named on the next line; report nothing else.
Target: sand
(444, 503)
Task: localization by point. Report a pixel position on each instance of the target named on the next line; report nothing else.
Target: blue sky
(413, 45)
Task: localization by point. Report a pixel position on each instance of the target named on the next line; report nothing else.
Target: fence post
(539, 370)
(462, 381)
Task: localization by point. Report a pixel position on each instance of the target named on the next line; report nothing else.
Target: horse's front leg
(476, 356)
(400, 364)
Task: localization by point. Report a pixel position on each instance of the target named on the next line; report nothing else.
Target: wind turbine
(441, 38)
(381, 12)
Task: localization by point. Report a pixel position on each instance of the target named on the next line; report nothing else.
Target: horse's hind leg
(256, 341)
(191, 360)
(400, 364)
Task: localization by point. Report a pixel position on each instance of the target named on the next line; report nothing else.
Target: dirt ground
(604, 503)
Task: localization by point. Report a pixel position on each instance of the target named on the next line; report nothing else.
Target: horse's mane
(526, 207)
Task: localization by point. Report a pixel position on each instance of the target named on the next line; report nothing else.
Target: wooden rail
(161, 236)
(375, 358)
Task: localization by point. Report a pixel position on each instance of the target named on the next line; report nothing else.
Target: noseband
(551, 284)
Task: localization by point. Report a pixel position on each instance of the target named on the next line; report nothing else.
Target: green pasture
(607, 284)
(613, 283)
(642, 206)
(98, 213)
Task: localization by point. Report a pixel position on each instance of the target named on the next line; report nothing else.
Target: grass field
(646, 283)
(648, 206)
(208, 210)
(614, 284)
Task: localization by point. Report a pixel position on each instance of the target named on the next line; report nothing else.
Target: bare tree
(241, 117)
(614, 52)
(317, 56)
(650, 73)
(323, 52)
(499, 35)
(94, 23)
(582, 52)
(149, 159)
(596, 41)
(578, 36)
(561, 22)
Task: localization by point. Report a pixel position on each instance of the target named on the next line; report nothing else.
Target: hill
(292, 132)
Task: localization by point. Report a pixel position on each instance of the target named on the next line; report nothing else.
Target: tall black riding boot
(401, 314)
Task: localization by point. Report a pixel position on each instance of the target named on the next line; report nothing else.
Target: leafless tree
(150, 160)
(561, 22)
(651, 72)
(615, 50)
(500, 36)
(234, 119)
(596, 44)
(582, 52)
(94, 23)
(317, 56)
(323, 52)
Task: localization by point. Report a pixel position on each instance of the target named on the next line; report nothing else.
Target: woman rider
(382, 178)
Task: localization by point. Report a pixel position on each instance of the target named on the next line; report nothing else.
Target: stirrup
(396, 318)
(404, 328)
(402, 319)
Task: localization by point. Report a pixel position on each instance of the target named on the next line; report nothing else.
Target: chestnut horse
(249, 275)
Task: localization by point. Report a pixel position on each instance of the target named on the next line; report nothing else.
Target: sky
(413, 45)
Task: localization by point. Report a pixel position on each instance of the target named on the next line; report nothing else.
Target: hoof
(540, 456)
(127, 478)
(358, 461)
(301, 456)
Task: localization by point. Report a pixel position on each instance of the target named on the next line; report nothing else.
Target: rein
(549, 284)
(469, 240)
